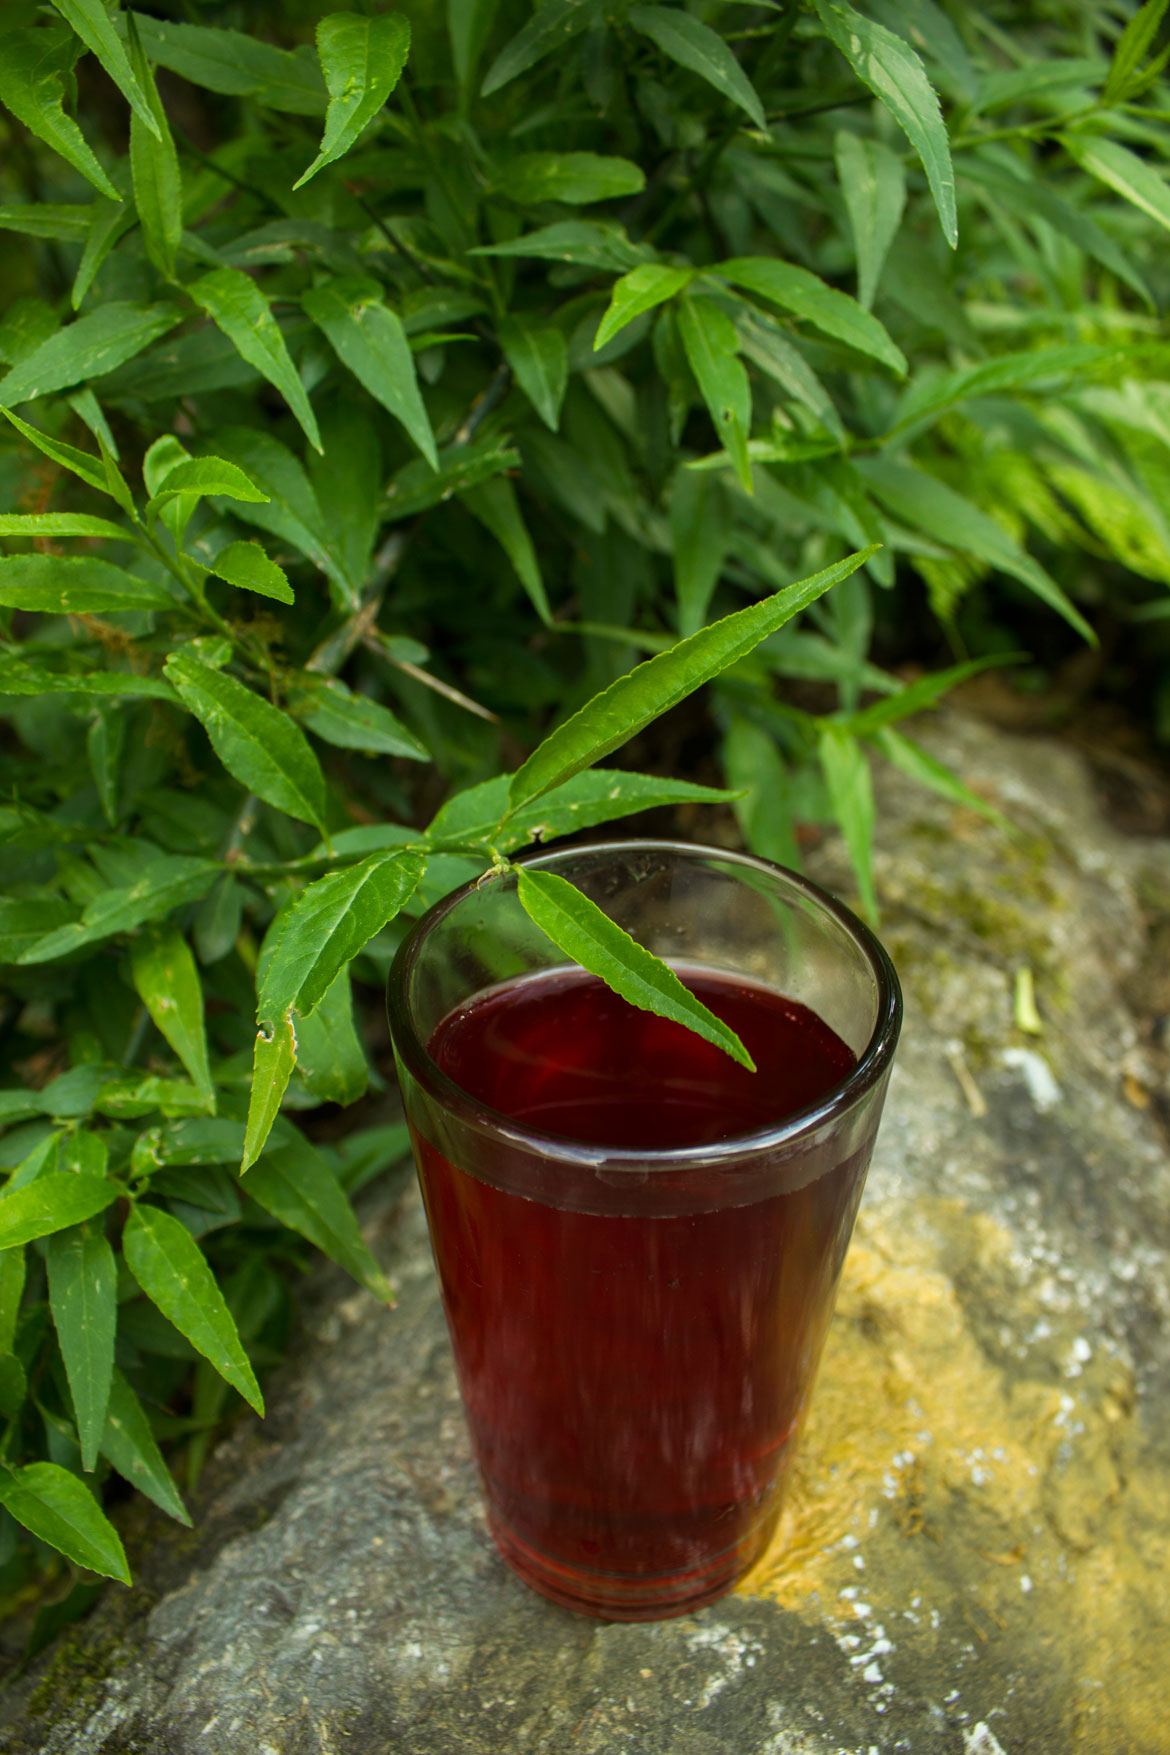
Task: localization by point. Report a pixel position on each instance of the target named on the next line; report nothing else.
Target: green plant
(529, 356)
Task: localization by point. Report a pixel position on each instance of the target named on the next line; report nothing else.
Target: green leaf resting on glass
(578, 927)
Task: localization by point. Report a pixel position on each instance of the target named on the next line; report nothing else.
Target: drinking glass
(637, 1300)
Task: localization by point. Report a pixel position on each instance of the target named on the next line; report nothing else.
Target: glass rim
(872, 1063)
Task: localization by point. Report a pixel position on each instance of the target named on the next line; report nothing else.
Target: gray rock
(971, 1557)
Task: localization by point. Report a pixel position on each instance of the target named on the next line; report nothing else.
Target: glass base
(610, 1596)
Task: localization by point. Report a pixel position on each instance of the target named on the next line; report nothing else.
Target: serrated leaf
(895, 74)
(330, 1057)
(237, 306)
(90, 469)
(1120, 170)
(171, 1269)
(700, 524)
(83, 1297)
(644, 287)
(351, 721)
(539, 358)
(39, 219)
(60, 1509)
(206, 475)
(929, 395)
(1133, 45)
(154, 168)
(87, 348)
(592, 243)
(328, 924)
(168, 985)
(56, 1199)
(31, 524)
(75, 585)
(237, 63)
(834, 313)
(620, 711)
(34, 65)
(597, 796)
(273, 1059)
(874, 186)
(494, 503)
(926, 770)
(696, 46)
(362, 61)
(18, 678)
(293, 513)
(712, 349)
(258, 744)
(247, 566)
(92, 24)
(555, 25)
(369, 338)
(165, 882)
(850, 787)
(578, 927)
(573, 177)
(295, 1184)
(128, 1445)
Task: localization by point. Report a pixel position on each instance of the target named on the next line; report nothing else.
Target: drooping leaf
(295, 1184)
(205, 475)
(539, 360)
(494, 503)
(554, 26)
(273, 1058)
(327, 925)
(834, 313)
(257, 743)
(874, 186)
(60, 1509)
(894, 73)
(56, 1199)
(171, 1269)
(585, 933)
(92, 23)
(249, 567)
(165, 881)
(362, 60)
(620, 711)
(75, 585)
(573, 177)
(351, 721)
(32, 524)
(34, 66)
(850, 785)
(700, 523)
(238, 307)
(754, 767)
(237, 63)
(592, 243)
(293, 512)
(369, 338)
(83, 1297)
(129, 1445)
(919, 765)
(1120, 170)
(87, 348)
(644, 287)
(330, 1057)
(599, 795)
(712, 349)
(169, 987)
(696, 46)
(154, 168)
(83, 464)
(40, 219)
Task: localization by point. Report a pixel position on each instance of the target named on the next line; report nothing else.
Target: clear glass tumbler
(638, 1242)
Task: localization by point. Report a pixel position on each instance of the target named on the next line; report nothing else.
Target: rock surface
(971, 1559)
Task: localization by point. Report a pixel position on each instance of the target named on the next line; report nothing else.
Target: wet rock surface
(971, 1558)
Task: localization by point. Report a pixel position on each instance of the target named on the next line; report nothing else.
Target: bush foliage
(379, 386)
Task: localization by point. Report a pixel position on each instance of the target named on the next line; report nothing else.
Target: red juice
(634, 1380)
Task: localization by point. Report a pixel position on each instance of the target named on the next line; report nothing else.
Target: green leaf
(696, 46)
(87, 348)
(30, 524)
(494, 504)
(206, 475)
(351, 721)
(573, 177)
(247, 566)
(1133, 45)
(75, 585)
(468, 25)
(36, 219)
(92, 24)
(90, 469)
(1035, 80)
(237, 63)
(834, 313)
(168, 985)
(154, 170)
(644, 287)
(700, 524)
(25, 920)
(592, 243)
(369, 338)
(235, 303)
(273, 1059)
(18, 678)
(109, 222)
(712, 349)
(294, 513)
(83, 1297)
(128, 1445)
(257, 743)
(170, 1267)
(164, 882)
(874, 186)
(34, 67)
(578, 927)
(56, 1199)
(925, 503)
(539, 358)
(767, 345)
(294, 1184)
(362, 60)
(916, 697)
(12, 1275)
(850, 785)
(1036, 366)
(620, 711)
(60, 1509)
(555, 25)
(753, 766)
(895, 74)
(1120, 170)
(327, 925)
(330, 1057)
(415, 487)
(597, 796)
(927, 770)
